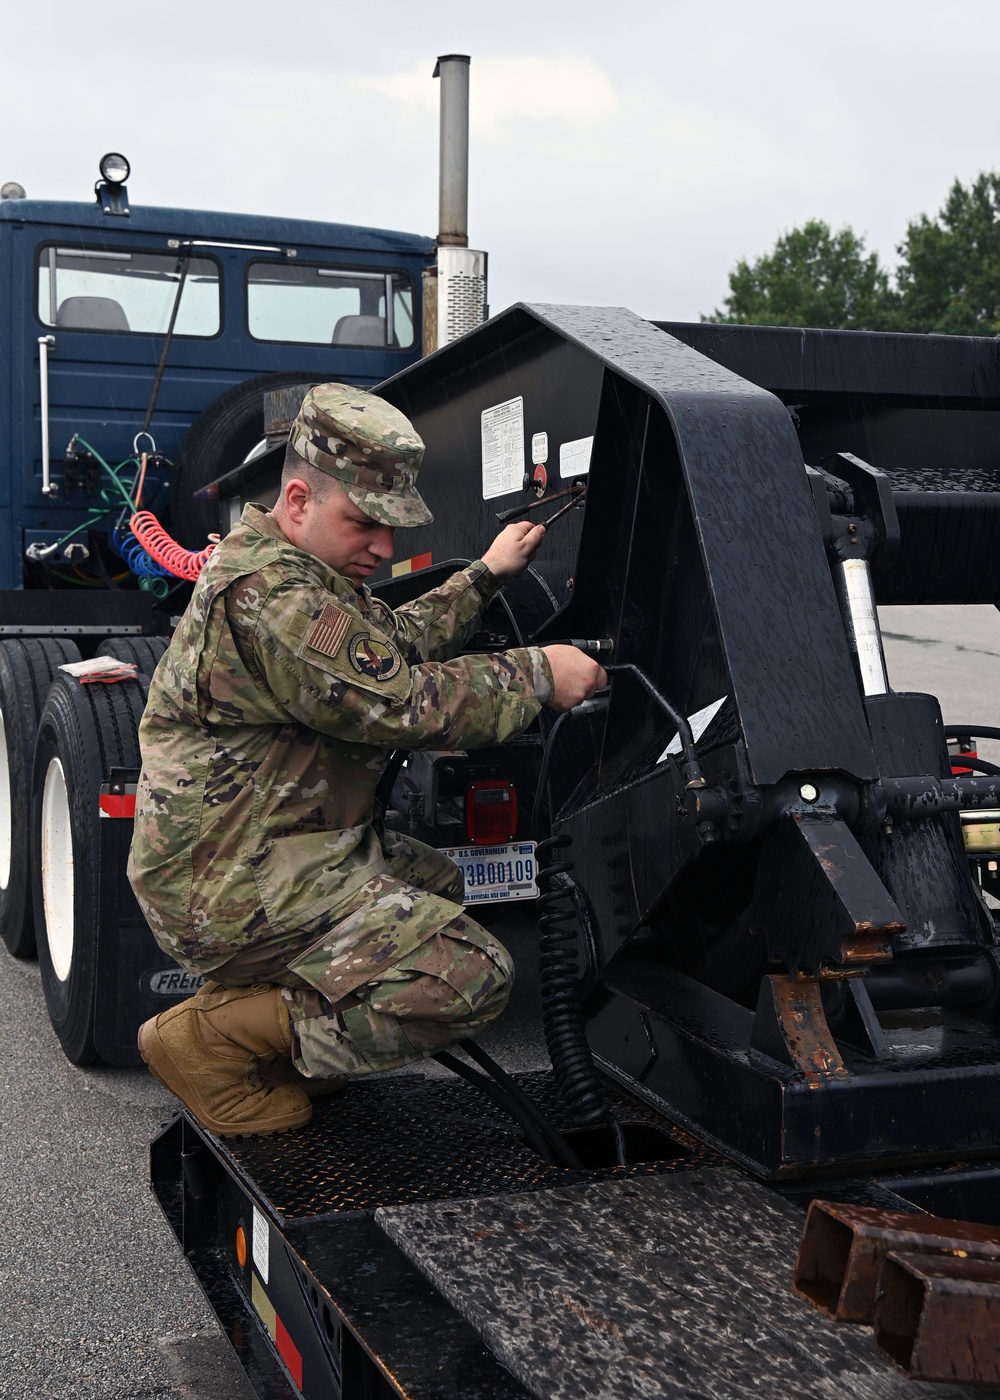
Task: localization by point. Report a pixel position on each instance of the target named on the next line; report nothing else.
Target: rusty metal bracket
(938, 1316)
(791, 1027)
(844, 1246)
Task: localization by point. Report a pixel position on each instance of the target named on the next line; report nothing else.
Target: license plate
(496, 872)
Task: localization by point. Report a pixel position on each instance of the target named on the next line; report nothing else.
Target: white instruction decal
(503, 448)
(699, 722)
(574, 457)
(539, 449)
(261, 1248)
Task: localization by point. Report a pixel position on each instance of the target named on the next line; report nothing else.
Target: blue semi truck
(137, 348)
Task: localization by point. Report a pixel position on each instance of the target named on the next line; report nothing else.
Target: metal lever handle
(515, 513)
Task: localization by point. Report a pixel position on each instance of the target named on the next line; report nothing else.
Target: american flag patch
(329, 630)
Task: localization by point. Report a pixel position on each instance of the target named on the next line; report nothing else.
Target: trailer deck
(409, 1242)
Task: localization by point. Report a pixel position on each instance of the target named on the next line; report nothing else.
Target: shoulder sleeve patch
(329, 630)
(373, 656)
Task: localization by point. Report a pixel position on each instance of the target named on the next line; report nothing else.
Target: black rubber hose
(682, 722)
(969, 731)
(978, 765)
(562, 1017)
(501, 1077)
(543, 772)
(510, 1106)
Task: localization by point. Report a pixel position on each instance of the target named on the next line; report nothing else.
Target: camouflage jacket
(267, 724)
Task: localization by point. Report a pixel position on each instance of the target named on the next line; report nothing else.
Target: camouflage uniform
(255, 857)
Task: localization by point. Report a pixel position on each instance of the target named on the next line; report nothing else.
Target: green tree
(814, 277)
(949, 276)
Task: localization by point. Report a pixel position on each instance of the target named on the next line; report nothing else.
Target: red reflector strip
(117, 804)
(277, 1330)
(288, 1351)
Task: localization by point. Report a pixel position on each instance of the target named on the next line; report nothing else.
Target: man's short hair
(320, 483)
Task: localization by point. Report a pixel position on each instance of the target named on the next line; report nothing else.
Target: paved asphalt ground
(95, 1301)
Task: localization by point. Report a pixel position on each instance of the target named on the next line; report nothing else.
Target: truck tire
(26, 671)
(215, 443)
(84, 730)
(144, 652)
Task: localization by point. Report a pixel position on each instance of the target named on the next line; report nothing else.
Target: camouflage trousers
(452, 980)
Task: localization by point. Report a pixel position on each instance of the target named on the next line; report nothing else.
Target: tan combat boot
(210, 1051)
(280, 1070)
(285, 1072)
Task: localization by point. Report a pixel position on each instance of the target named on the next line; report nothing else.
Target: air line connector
(711, 809)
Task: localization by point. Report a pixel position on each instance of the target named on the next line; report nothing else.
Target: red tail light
(490, 812)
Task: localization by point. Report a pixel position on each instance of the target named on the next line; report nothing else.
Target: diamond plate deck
(399, 1141)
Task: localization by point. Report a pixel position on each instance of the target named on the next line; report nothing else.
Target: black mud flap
(135, 978)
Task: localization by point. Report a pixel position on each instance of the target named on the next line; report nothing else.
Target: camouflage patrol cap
(368, 446)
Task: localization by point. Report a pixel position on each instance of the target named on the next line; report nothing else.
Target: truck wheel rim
(5, 812)
(57, 869)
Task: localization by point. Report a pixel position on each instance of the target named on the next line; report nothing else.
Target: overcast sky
(622, 153)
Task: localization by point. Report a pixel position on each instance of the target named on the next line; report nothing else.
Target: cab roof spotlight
(110, 189)
(114, 168)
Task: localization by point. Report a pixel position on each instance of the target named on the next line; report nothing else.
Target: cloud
(505, 91)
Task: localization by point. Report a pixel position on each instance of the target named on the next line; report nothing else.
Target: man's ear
(297, 497)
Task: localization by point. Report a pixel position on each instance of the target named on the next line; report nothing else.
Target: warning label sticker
(261, 1244)
(574, 457)
(503, 448)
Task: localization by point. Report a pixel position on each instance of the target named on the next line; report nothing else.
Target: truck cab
(124, 326)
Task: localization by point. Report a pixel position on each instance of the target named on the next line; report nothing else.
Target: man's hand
(576, 676)
(513, 550)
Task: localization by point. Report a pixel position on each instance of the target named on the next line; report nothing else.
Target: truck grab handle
(45, 343)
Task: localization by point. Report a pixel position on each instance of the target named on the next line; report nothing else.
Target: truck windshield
(310, 305)
(91, 289)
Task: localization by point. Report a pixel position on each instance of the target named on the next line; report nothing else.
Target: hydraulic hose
(540, 1135)
(559, 969)
(510, 1086)
(559, 972)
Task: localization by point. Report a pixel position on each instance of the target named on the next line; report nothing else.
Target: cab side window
(93, 289)
(306, 304)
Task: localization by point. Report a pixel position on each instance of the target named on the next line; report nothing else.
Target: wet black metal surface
(393, 1142)
(424, 1347)
(677, 1286)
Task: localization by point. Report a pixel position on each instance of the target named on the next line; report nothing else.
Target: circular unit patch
(370, 656)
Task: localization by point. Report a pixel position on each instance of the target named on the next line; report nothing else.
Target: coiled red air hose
(181, 562)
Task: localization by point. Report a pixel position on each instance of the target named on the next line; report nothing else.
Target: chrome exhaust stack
(454, 290)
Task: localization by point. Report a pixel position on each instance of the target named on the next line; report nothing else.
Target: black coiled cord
(562, 1016)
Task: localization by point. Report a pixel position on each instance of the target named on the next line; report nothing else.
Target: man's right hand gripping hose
(575, 675)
